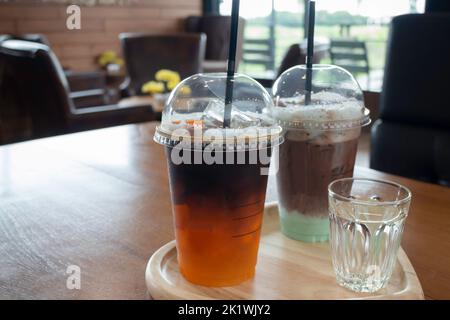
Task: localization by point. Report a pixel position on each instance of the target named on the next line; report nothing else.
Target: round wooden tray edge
(157, 287)
(413, 291)
(154, 286)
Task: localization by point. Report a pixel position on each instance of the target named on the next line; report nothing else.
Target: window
(273, 25)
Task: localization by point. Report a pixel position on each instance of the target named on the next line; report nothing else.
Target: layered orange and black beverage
(218, 176)
(218, 210)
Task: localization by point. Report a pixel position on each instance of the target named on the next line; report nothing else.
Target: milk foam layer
(325, 107)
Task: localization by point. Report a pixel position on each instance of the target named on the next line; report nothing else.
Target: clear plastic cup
(321, 140)
(218, 175)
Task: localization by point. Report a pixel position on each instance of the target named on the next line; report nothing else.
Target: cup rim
(406, 199)
(165, 137)
(324, 125)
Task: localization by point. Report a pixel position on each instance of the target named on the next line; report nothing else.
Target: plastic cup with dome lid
(218, 156)
(195, 114)
(322, 124)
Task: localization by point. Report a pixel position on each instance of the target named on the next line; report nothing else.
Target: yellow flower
(109, 54)
(168, 76)
(185, 90)
(117, 61)
(171, 85)
(103, 61)
(108, 57)
(153, 87)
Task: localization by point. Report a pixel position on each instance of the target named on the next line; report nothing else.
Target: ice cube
(214, 113)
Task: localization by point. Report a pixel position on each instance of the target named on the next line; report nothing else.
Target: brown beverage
(321, 139)
(309, 161)
(218, 212)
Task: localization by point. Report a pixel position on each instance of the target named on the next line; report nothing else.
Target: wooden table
(100, 200)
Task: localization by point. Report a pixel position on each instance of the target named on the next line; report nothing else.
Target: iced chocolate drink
(218, 176)
(320, 146)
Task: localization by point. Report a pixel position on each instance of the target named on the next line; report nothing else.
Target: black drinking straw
(310, 50)
(231, 63)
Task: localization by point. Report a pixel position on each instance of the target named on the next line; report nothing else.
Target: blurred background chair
(87, 88)
(437, 6)
(35, 100)
(293, 56)
(4, 37)
(217, 30)
(350, 55)
(296, 54)
(145, 54)
(34, 37)
(412, 136)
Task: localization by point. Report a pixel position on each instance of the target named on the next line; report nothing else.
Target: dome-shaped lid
(336, 100)
(198, 103)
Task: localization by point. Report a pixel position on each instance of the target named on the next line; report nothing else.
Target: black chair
(34, 97)
(350, 55)
(412, 136)
(145, 54)
(296, 54)
(35, 37)
(4, 37)
(217, 31)
(87, 88)
(293, 56)
(437, 6)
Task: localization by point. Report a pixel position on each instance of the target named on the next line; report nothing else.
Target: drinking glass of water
(367, 218)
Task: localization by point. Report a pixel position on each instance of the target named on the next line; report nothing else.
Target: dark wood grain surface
(100, 200)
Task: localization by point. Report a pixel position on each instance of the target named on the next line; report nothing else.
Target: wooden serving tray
(286, 269)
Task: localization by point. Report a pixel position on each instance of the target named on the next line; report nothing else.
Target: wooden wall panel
(100, 25)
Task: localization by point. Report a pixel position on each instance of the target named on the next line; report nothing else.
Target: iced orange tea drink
(218, 211)
(218, 176)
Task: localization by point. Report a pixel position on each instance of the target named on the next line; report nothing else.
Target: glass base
(357, 284)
